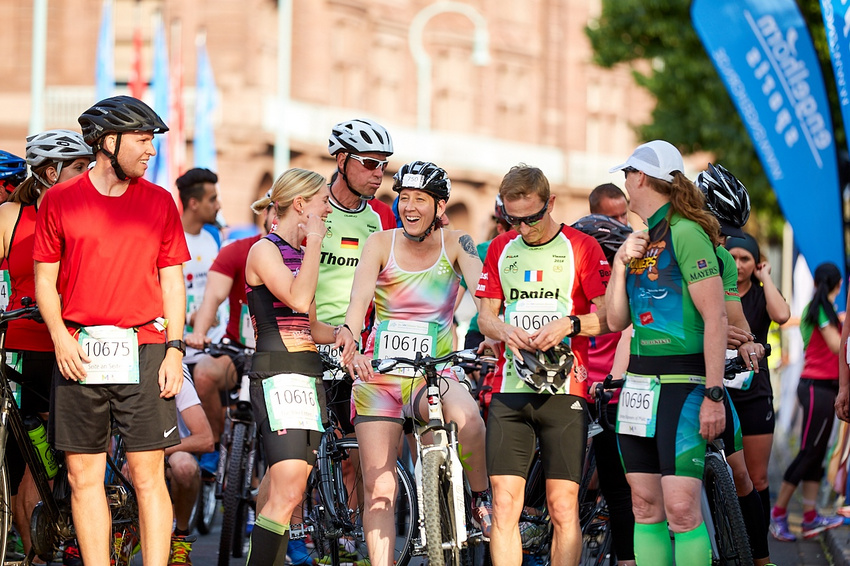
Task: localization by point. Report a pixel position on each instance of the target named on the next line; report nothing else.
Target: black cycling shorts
(287, 444)
(756, 416)
(558, 422)
(82, 413)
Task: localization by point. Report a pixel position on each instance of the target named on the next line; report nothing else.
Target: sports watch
(716, 393)
(177, 345)
(576, 325)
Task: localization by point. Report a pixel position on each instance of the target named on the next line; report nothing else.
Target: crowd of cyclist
(560, 307)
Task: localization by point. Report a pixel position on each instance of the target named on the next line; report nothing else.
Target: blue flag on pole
(105, 67)
(205, 103)
(161, 92)
(763, 52)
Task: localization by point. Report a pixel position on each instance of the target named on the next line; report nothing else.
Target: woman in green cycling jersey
(666, 282)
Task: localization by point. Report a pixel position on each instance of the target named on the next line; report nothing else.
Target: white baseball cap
(657, 158)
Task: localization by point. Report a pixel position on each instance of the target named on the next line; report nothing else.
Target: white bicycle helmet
(545, 372)
(57, 146)
(360, 136)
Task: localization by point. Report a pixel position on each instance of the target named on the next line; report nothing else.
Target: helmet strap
(113, 158)
(427, 232)
(347, 184)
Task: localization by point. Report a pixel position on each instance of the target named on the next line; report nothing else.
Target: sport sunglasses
(530, 220)
(370, 163)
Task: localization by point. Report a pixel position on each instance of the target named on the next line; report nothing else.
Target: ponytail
(827, 276)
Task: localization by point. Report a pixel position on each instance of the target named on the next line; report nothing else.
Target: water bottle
(38, 437)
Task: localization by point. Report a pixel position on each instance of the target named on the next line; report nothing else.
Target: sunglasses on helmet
(370, 163)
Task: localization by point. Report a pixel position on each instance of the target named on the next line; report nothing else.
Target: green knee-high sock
(693, 547)
(269, 540)
(652, 544)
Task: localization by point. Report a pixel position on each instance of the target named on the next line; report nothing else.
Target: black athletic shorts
(287, 444)
(516, 420)
(82, 413)
(756, 416)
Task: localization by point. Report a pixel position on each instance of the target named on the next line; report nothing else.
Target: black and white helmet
(56, 146)
(426, 177)
(726, 198)
(608, 232)
(545, 372)
(360, 136)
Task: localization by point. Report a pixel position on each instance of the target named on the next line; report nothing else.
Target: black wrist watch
(177, 345)
(716, 393)
(576, 325)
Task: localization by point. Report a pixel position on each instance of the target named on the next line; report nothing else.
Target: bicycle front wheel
(5, 509)
(597, 541)
(234, 506)
(441, 537)
(730, 532)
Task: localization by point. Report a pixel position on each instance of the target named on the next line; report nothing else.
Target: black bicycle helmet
(608, 232)
(13, 169)
(118, 114)
(428, 178)
(726, 198)
(545, 372)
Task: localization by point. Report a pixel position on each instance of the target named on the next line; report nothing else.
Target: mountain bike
(332, 511)
(447, 534)
(236, 461)
(51, 523)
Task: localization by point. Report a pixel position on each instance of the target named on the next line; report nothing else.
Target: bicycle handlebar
(424, 362)
(227, 348)
(737, 365)
(29, 310)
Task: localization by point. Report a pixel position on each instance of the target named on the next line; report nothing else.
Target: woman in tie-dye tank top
(412, 273)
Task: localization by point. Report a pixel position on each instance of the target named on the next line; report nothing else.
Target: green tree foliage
(693, 109)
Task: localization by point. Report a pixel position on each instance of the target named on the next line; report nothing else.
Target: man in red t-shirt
(225, 279)
(112, 245)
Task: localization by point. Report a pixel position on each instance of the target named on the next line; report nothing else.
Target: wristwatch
(716, 393)
(176, 344)
(576, 325)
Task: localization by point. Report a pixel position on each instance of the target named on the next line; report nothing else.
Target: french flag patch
(534, 276)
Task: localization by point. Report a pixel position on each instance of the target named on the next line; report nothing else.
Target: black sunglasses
(530, 220)
(628, 170)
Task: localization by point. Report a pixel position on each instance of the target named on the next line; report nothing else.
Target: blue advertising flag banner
(105, 67)
(158, 173)
(205, 102)
(763, 52)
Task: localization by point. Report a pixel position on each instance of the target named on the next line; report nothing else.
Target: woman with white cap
(666, 282)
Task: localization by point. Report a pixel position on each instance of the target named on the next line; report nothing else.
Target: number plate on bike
(114, 355)
(292, 402)
(638, 405)
(404, 339)
(533, 314)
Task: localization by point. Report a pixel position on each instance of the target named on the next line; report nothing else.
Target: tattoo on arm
(468, 245)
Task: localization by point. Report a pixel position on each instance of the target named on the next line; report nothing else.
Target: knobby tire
(438, 510)
(730, 532)
(232, 496)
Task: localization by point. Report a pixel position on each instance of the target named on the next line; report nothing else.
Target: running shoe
(14, 547)
(298, 553)
(482, 513)
(71, 554)
(779, 529)
(820, 524)
(181, 550)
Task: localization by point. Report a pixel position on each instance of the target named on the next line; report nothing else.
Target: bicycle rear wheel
(344, 539)
(232, 497)
(729, 530)
(596, 547)
(441, 537)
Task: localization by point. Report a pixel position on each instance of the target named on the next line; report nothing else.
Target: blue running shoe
(820, 524)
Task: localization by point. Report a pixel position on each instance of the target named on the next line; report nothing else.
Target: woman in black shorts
(280, 275)
(762, 303)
